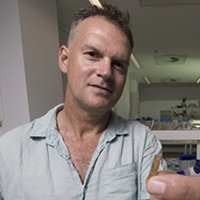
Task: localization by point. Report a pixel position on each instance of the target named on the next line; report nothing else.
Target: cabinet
(180, 137)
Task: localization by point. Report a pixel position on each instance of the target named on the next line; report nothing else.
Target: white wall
(122, 107)
(157, 97)
(40, 47)
(30, 82)
(134, 99)
(152, 108)
(12, 72)
(128, 104)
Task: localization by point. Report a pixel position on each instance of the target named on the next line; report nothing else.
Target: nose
(104, 69)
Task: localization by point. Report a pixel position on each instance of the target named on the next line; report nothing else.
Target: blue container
(191, 171)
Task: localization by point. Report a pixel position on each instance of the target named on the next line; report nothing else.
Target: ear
(63, 58)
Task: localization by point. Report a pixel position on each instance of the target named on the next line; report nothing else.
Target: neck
(80, 123)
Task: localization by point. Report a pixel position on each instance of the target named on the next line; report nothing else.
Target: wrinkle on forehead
(97, 32)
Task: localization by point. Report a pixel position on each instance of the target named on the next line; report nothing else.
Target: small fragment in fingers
(155, 166)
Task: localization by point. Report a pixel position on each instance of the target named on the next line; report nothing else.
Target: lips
(103, 88)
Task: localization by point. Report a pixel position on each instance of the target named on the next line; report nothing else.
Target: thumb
(156, 186)
(167, 186)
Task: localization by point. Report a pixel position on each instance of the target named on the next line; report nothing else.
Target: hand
(174, 187)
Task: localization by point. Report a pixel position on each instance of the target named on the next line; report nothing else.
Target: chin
(102, 107)
(100, 103)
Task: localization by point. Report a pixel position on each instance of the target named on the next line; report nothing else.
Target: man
(83, 150)
(174, 187)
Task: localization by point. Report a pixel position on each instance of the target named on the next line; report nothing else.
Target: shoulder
(137, 132)
(15, 135)
(12, 145)
(137, 135)
(131, 126)
(20, 136)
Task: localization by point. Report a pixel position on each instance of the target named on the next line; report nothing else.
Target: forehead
(99, 27)
(98, 22)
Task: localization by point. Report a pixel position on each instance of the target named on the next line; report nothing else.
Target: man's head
(96, 60)
(110, 12)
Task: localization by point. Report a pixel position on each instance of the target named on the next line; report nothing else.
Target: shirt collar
(46, 126)
(116, 127)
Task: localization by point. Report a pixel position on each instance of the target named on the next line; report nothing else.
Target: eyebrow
(85, 47)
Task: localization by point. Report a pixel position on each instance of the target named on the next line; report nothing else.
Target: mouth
(102, 88)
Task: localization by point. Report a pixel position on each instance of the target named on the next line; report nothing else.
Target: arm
(151, 147)
(174, 187)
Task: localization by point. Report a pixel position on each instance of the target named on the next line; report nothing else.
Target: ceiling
(166, 34)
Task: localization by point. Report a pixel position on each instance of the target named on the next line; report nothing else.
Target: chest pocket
(120, 183)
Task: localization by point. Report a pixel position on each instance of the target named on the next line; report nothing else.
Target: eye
(92, 54)
(119, 66)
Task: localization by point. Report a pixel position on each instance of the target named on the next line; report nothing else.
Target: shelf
(177, 134)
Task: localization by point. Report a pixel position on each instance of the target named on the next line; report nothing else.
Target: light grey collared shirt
(35, 163)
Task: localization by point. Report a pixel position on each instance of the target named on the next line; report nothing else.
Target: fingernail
(156, 187)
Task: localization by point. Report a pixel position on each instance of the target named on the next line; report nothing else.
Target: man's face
(96, 64)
